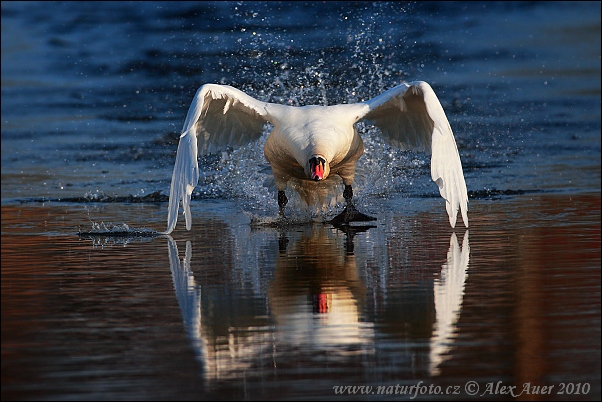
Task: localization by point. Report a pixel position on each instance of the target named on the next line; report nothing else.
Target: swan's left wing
(220, 116)
(411, 116)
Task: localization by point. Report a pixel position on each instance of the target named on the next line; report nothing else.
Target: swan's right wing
(411, 116)
(220, 116)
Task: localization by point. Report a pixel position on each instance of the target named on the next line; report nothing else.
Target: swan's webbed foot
(350, 213)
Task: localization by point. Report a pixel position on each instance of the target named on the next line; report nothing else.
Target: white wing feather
(411, 116)
(220, 116)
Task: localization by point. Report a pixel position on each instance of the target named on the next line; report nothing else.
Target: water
(93, 98)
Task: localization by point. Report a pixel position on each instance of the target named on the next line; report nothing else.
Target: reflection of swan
(317, 310)
(316, 295)
(314, 149)
(311, 308)
(449, 292)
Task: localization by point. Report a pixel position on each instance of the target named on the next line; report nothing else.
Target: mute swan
(310, 145)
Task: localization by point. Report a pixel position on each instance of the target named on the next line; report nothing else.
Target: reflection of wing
(220, 116)
(186, 293)
(449, 292)
(219, 362)
(410, 116)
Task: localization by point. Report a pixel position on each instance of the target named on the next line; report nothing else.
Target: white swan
(312, 147)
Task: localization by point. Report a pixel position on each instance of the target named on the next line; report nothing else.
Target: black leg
(282, 243)
(282, 200)
(350, 232)
(348, 193)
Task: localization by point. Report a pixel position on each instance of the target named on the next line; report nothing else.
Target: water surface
(93, 98)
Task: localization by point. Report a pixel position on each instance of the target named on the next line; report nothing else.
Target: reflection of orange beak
(321, 303)
(316, 167)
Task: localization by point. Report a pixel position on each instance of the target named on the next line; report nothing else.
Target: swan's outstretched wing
(220, 116)
(411, 116)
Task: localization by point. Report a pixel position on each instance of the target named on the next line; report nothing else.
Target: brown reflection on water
(83, 320)
(557, 317)
(245, 313)
(533, 296)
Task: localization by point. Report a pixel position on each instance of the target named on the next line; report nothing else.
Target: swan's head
(317, 168)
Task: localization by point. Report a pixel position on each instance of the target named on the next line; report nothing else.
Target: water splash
(122, 230)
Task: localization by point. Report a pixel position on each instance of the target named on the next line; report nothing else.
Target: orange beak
(316, 168)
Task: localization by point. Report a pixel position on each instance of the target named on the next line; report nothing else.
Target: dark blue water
(94, 96)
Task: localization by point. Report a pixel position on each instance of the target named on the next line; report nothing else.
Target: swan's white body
(408, 115)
